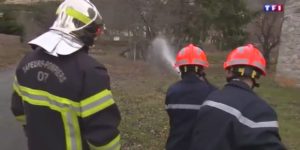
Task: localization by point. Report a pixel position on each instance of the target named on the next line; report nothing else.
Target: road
(11, 133)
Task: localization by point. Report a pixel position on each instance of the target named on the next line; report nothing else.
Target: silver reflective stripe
(183, 106)
(71, 127)
(50, 101)
(112, 145)
(237, 62)
(199, 62)
(182, 62)
(116, 146)
(96, 103)
(242, 119)
(68, 112)
(259, 65)
(198, 50)
(182, 51)
(241, 49)
(72, 132)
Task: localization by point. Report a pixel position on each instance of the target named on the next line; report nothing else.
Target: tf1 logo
(273, 8)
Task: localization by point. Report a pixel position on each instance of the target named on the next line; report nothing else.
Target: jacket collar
(190, 77)
(239, 84)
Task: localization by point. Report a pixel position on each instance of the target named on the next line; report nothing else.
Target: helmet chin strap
(255, 84)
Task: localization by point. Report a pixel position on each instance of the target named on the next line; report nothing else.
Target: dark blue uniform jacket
(183, 101)
(235, 118)
(65, 103)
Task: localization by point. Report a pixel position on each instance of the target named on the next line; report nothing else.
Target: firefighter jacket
(235, 118)
(65, 103)
(183, 101)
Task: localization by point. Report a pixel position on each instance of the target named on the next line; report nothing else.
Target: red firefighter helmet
(191, 55)
(246, 55)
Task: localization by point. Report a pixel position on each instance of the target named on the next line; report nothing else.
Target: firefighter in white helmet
(61, 94)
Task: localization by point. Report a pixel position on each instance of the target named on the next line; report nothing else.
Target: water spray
(162, 50)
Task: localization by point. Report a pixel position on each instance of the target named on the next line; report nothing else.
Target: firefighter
(235, 118)
(184, 98)
(61, 94)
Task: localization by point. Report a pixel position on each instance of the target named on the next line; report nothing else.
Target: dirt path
(11, 133)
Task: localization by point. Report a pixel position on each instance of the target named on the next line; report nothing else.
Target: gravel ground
(11, 133)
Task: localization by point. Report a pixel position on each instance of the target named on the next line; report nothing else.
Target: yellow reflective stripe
(118, 147)
(97, 108)
(95, 97)
(22, 119)
(16, 86)
(67, 130)
(69, 116)
(48, 95)
(85, 108)
(72, 130)
(40, 103)
(43, 98)
(96, 103)
(78, 15)
(112, 145)
(16, 89)
(77, 132)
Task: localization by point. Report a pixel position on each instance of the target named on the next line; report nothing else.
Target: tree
(269, 31)
(8, 23)
(181, 21)
(222, 20)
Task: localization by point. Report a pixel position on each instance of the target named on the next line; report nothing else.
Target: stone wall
(288, 67)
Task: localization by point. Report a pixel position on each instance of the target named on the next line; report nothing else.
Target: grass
(139, 90)
(10, 50)
(286, 102)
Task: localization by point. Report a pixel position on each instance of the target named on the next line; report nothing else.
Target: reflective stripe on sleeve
(112, 145)
(16, 87)
(43, 98)
(70, 110)
(183, 106)
(85, 108)
(242, 119)
(96, 103)
(21, 119)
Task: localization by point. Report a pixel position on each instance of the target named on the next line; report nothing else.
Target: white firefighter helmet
(77, 24)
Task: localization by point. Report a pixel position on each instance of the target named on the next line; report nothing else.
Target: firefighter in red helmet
(184, 98)
(235, 118)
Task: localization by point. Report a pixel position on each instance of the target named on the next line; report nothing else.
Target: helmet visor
(74, 15)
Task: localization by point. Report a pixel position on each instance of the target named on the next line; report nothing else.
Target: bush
(10, 27)
(42, 13)
(8, 23)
